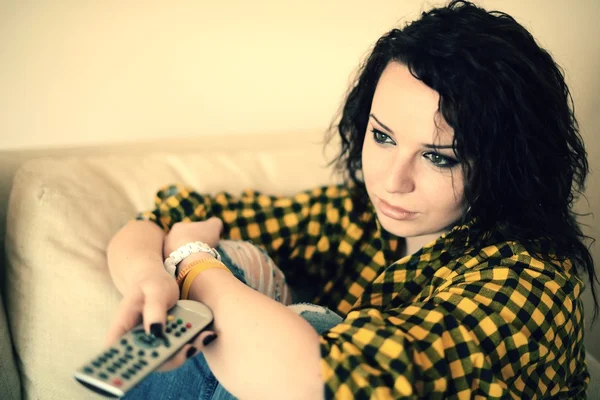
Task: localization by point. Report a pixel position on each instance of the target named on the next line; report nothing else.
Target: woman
(452, 254)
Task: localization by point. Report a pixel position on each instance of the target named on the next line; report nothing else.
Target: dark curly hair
(513, 119)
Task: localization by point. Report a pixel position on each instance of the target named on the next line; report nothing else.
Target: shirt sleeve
(297, 231)
(482, 334)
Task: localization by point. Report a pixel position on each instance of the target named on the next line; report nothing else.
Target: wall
(100, 72)
(91, 73)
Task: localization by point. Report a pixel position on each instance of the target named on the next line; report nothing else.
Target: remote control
(136, 354)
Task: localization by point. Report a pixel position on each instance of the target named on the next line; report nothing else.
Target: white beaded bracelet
(190, 248)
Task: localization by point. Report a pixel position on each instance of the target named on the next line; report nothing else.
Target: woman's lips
(396, 213)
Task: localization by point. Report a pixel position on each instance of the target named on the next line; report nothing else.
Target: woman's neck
(400, 247)
(413, 244)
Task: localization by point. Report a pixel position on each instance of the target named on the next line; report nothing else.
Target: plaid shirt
(492, 323)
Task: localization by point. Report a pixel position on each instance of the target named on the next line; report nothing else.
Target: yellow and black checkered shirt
(491, 323)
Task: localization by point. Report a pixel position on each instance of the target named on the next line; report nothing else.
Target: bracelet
(195, 269)
(184, 271)
(182, 252)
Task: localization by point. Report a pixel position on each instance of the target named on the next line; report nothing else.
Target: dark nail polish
(191, 351)
(209, 339)
(156, 330)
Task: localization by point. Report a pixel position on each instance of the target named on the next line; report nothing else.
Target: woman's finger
(203, 340)
(127, 316)
(155, 314)
(188, 351)
(159, 296)
(178, 359)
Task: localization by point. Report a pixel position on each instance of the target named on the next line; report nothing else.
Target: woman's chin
(397, 228)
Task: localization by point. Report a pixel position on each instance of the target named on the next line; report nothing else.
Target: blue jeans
(194, 380)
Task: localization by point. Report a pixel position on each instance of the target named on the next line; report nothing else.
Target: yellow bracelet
(199, 266)
(183, 273)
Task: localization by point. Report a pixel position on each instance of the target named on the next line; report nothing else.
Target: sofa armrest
(61, 216)
(10, 384)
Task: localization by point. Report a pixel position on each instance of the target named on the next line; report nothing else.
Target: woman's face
(410, 170)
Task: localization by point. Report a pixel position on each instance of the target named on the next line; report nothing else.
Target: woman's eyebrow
(379, 122)
(436, 147)
(429, 146)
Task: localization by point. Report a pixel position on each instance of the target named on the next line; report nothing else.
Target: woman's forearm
(133, 252)
(263, 350)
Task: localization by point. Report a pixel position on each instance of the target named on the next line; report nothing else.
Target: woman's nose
(400, 176)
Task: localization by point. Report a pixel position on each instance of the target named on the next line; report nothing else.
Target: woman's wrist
(192, 258)
(202, 287)
(150, 272)
(198, 288)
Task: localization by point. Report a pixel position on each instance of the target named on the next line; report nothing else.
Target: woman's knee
(321, 318)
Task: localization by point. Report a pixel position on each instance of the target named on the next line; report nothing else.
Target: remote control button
(129, 356)
(137, 367)
(170, 318)
(88, 370)
(174, 326)
(129, 348)
(102, 375)
(123, 341)
(143, 362)
(115, 351)
(179, 321)
(116, 365)
(125, 375)
(117, 382)
(102, 359)
(177, 334)
(154, 354)
(108, 354)
(183, 329)
(188, 325)
(145, 341)
(168, 330)
(141, 353)
(132, 371)
(96, 364)
(123, 360)
(111, 370)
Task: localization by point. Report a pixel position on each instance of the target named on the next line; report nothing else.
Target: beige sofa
(62, 212)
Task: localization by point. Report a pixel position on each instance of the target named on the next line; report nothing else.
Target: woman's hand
(148, 301)
(151, 292)
(151, 298)
(181, 233)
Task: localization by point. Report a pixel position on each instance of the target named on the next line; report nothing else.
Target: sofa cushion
(62, 214)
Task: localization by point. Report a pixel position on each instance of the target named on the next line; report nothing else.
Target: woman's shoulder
(532, 260)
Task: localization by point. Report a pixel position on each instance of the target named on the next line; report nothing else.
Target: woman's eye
(381, 137)
(440, 161)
